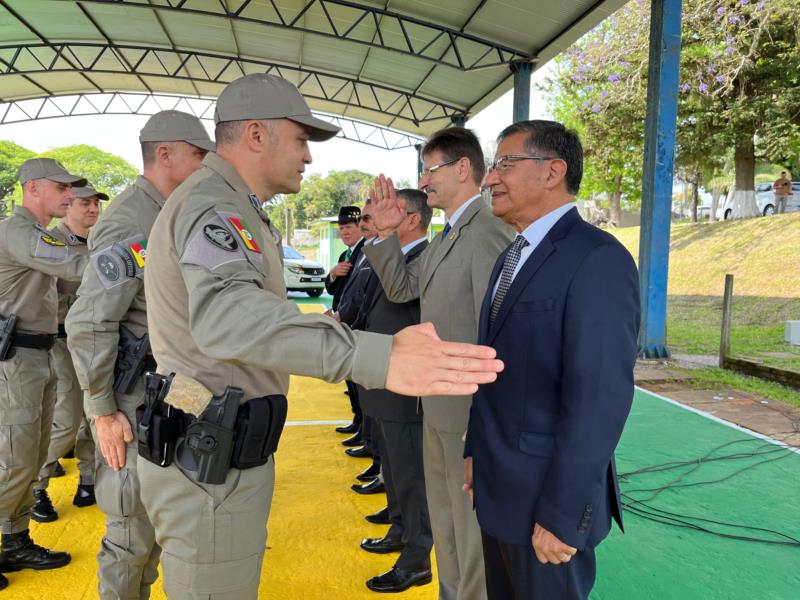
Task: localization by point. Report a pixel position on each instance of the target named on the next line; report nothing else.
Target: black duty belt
(36, 341)
(62, 331)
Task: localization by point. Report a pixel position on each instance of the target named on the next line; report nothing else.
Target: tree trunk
(715, 194)
(695, 197)
(615, 210)
(744, 199)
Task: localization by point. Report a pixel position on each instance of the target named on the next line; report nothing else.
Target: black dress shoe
(370, 473)
(84, 496)
(398, 580)
(380, 518)
(43, 511)
(3, 582)
(376, 486)
(383, 545)
(58, 471)
(19, 552)
(351, 428)
(360, 452)
(353, 440)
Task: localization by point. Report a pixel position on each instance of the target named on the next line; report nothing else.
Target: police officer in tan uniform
(106, 329)
(70, 427)
(220, 321)
(30, 260)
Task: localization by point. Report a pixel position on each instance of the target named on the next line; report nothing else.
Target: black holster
(258, 429)
(7, 326)
(132, 360)
(158, 424)
(207, 445)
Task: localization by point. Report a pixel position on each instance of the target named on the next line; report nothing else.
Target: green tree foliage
(106, 172)
(321, 197)
(739, 92)
(11, 157)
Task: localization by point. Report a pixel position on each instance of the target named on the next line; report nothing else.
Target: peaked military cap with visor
(263, 96)
(176, 126)
(47, 168)
(88, 192)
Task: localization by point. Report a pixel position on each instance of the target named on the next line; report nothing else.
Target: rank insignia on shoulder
(220, 237)
(244, 232)
(48, 239)
(139, 251)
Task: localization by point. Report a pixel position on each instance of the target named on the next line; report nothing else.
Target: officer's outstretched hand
(421, 364)
(114, 433)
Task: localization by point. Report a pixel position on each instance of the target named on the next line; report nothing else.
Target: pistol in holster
(7, 326)
(131, 361)
(208, 442)
(158, 425)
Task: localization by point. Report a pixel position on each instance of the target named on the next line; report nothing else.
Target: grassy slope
(764, 256)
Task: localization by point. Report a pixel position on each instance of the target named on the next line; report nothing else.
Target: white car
(301, 274)
(765, 199)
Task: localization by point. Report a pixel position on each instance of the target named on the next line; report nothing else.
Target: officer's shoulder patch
(118, 263)
(243, 231)
(212, 244)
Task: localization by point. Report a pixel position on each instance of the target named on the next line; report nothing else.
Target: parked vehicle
(765, 199)
(301, 274)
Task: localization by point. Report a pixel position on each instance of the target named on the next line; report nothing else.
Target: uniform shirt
(30, 260)
(112, 292)
(68, 290)
(217, 302)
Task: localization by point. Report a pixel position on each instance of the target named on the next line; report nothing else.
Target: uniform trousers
(27, 397)
(70, 426)
(128, 557)
(514, 573)
(456, 535)
(213, 536)
(401, 452)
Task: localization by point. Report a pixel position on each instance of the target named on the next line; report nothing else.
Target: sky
(118, 134)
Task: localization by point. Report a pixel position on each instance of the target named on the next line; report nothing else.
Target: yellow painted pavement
(315, 525)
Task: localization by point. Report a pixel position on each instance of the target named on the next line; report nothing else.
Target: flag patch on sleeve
(244, 232)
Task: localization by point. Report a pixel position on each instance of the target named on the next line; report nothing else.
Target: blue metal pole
(522, 90)
(659, 155)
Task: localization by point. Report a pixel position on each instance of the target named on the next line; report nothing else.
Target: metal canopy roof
(408, 65)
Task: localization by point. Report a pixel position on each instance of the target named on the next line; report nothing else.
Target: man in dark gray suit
(400, 424)
(450, 280)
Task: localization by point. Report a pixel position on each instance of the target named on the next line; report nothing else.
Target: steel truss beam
(120, 103)
(195, 67)
(366, 25)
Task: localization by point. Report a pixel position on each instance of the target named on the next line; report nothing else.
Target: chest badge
(47, 239)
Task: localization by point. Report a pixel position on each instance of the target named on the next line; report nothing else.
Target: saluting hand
(421, 364)
(387, 212)
(550, 549)
(114, 433)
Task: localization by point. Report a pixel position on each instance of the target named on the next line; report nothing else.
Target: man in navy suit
(562, 311)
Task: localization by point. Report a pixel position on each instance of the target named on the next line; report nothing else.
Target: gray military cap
(47, 168)
(264, 96)
(87, 192)
(176, 126)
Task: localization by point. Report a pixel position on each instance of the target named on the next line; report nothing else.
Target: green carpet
(662, 562)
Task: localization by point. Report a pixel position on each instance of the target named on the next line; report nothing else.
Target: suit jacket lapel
(440, 250)
(545, 248)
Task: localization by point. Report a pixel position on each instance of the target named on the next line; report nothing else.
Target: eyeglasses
(365, 218)
(432, 169)
(503, 163)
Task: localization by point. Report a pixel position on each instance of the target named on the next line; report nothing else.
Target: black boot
(3, 582)
(43, 511)
(84, 496)
(353, 440)
(350, 428)
(19, 552)
(58, 471)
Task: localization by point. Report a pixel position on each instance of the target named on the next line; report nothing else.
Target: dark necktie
(446, 230)
(510, 263)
